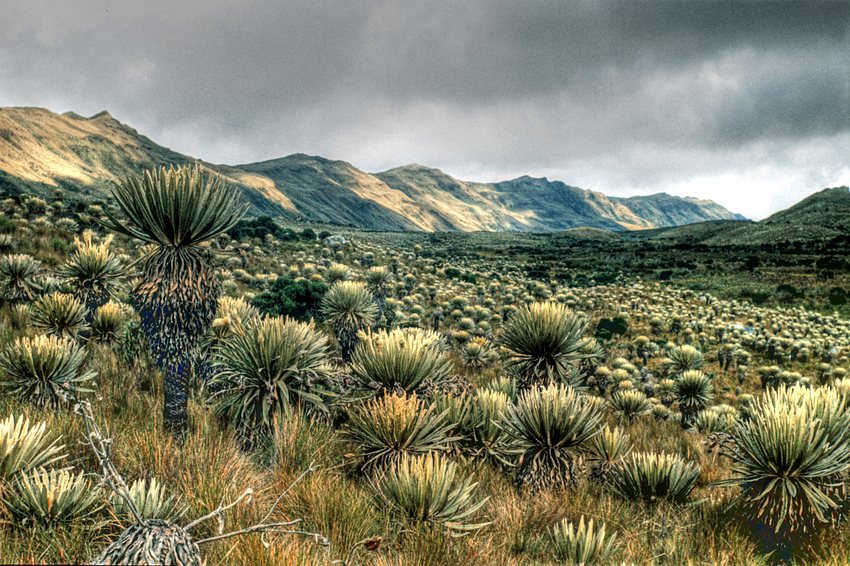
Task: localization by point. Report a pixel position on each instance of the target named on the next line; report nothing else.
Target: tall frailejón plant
(176, 210)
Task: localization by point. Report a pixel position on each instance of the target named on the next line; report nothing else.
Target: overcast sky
(743, 102)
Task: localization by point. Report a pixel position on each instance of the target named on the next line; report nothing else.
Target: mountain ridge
(41, 150)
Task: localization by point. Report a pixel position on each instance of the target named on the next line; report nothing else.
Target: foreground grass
(210, 467)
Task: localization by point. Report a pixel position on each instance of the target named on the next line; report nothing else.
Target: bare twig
(221, 509)
(101, 445)
(310, 468)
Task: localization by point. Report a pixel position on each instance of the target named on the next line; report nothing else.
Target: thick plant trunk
(176, 301)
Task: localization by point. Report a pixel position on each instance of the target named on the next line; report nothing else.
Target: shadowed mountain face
(41, 151)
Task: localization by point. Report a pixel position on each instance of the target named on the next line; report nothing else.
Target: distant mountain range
(41, 150)
(821, 217)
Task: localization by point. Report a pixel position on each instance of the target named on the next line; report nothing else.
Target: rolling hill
(41, 150)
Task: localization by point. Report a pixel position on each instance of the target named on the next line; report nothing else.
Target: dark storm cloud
(622, 97)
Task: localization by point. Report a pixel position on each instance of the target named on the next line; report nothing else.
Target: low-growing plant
(45, 370)
(583, 545)
(24, 447)
(48, 498)
(548, 427)
(651, 477)
(387, 428)
(428, 489)
(401, 359)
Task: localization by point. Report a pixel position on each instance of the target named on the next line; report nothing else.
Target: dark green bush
(608, 327)
(308, 234)
(256, 228)
(298, 299)
(837, 296)
(6, 225)
(59, 246)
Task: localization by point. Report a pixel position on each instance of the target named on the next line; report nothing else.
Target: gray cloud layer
(744, 102)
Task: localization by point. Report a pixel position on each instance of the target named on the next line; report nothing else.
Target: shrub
(257, 228)
(337, 272)
(151, 502)
(628, 405)
(712, 421)
(457, 410)
(607, 450)
(545, 341)
(693, 390)
(791, 455)
(270, 367)
(583, 545)
(17, 277)
(49, 498)
(387, 428)
(405, 359)
(650, 477)
(110, 321)
(685, 358)
(44, 370)
(348, 308)
(59, 314)
(92, 270)
(548, 428)
(489, 440)
(24, 448)
(296, 299)
(427, 489)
